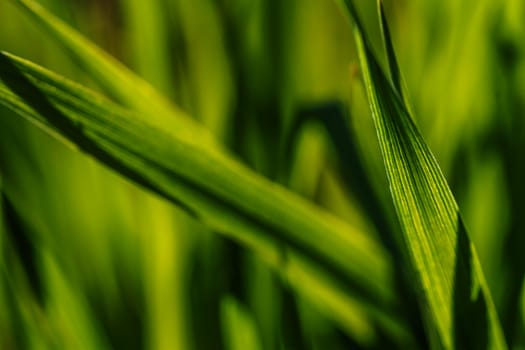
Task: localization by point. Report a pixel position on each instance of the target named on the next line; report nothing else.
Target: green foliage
(233, 180)
(186, 169)
(454, 288)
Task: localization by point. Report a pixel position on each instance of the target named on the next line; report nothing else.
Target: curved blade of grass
(395, 73)
(393, 66)
(119, 81)
(453, 289)
(190, 172)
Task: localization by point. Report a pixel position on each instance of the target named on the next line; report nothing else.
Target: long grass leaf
(453, 290)
(180, 166)
(393, 65)
(119, 81)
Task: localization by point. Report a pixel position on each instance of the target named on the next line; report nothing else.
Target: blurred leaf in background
(274, 227)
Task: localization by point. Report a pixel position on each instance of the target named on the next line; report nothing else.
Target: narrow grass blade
(395, 73)
(393, 66)
(453, 289)
(240, 329)
(148, 39)
(190, 172)
(120, 82)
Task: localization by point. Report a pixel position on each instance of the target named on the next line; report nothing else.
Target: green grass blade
(453, 289)
(189, 171)
(240, 331)
(393, 65)
(148, 39)
(117, 79)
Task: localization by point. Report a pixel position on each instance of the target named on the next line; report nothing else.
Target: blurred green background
(91, 261)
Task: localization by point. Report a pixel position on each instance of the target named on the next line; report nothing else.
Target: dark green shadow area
(23, 245)
(469, 311)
